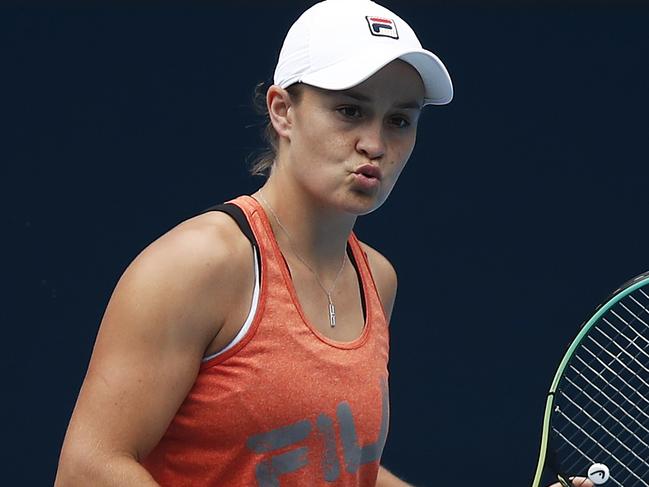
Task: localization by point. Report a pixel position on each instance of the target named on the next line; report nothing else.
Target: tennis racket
(596, 421)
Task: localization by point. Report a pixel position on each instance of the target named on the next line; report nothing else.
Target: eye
(349, 111)
(400, 122)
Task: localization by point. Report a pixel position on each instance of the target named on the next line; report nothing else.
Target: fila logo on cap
(382, 27)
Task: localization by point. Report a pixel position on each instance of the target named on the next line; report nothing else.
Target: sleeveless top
(285, 406)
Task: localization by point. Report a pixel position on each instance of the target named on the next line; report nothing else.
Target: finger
(581, 482)
(577, 482)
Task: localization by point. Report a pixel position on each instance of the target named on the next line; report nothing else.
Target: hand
(577, 482)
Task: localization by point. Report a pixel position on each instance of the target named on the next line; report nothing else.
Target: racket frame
(617, 295)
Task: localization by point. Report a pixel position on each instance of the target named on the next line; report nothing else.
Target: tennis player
(249, 345)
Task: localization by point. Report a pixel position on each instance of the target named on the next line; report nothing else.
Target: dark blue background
(523, 205)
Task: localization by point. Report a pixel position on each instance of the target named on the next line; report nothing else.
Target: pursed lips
(370, 171)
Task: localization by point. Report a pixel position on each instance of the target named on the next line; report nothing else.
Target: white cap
(337, 44)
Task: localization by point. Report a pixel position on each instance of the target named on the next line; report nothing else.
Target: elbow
(81, 467)
(68, 475)
(75, 468)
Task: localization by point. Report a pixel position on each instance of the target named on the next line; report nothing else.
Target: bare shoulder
(208, 240)
(206, 237)
(164, 311)
(199, 264)
(384, 275)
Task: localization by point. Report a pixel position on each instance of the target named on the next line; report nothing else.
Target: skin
(324, 138)
(187, 294)
(578, 482)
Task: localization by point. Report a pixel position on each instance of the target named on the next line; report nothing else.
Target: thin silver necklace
(332, 308)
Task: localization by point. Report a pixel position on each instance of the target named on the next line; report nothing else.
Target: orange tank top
(286, 406)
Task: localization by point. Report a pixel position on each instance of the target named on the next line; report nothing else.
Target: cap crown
(332, 31)
(337, 44)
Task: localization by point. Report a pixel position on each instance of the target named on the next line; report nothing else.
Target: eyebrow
(364, 98)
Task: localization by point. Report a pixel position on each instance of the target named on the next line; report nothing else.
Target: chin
(361, 203)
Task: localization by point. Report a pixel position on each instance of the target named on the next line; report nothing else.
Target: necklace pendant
(332, 315)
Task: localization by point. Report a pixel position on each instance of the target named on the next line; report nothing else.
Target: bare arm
(164, 312)
(385, 277)
(387, 479)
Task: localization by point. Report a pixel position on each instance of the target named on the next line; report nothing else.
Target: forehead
(396, 77)
(397, 83)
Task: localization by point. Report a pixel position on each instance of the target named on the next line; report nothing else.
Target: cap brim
(354, 70)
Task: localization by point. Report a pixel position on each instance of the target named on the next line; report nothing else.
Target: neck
(317, 232)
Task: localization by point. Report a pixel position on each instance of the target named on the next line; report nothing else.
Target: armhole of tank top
(360, 281)
(251, 314)
(239, 217)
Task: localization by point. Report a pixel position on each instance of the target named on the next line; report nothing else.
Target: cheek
(402, 152)
(389, 184)
(396, 164)
(313, 131)
(323, 142)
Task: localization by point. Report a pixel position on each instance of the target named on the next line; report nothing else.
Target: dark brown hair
(262, 161)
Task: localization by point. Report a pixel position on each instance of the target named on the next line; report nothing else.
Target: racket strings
(613, 445)
(631, 342)
(602, 398)
(602, 447)
(617, 436)
(633, 358)
(630, 405)
(636, 317)
(606, 447)
(605, 381)
(611, 415)
(609, 399)
(577, 449)
(616, 377)
(617, 406)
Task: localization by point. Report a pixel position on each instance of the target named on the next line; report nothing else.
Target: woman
(251, 348)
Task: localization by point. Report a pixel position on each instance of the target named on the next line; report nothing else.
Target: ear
(278, 102)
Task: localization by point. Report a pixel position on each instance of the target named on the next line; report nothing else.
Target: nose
(371, 141)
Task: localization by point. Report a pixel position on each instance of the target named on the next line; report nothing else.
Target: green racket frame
(624, 290)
